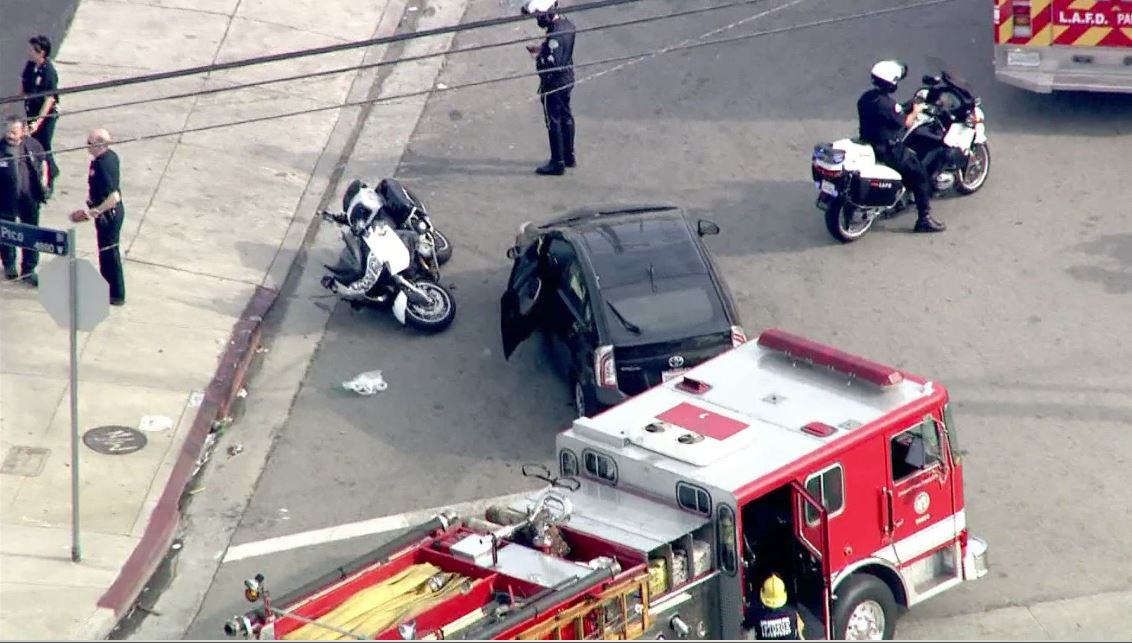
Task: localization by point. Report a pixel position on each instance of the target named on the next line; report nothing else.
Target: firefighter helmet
(773, 593)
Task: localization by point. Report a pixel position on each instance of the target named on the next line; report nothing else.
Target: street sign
(92, 293)
(33, 237)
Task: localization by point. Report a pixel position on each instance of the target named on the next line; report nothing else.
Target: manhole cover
(25, 461)
(115, 440)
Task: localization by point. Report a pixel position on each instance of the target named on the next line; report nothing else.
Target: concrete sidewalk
(214, 221)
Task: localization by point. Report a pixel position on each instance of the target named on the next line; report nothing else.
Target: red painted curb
(217, 401)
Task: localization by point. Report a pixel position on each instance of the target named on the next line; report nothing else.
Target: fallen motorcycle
(379, 265)
(408, 212)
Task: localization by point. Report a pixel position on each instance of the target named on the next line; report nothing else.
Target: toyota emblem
(676, 361)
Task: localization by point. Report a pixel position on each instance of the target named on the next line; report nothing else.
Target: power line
(500, 79)
(406, 59)
(303, 53)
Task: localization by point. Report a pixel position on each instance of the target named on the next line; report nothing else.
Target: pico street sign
(33, 237)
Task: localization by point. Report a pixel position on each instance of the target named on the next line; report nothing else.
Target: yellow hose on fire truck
(376, 609)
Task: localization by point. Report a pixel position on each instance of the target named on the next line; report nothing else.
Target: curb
(218, 399)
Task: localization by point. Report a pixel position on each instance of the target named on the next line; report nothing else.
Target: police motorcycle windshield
(949, 76)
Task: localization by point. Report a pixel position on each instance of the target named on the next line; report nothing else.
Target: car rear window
(622, 253)
(690, 310)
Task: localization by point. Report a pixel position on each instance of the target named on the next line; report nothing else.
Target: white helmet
(887, 73)
(533, 7)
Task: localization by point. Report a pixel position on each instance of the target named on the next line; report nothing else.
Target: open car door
(811, 528)
(519, 301)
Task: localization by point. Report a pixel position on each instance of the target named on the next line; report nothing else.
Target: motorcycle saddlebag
(879, 186)
(399, 202)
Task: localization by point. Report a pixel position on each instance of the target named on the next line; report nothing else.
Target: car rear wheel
(582, 405)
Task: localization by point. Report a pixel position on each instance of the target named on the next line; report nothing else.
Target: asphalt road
(22, 20)
(1018, 308)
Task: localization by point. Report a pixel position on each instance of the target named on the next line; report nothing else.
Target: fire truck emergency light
(806, 350)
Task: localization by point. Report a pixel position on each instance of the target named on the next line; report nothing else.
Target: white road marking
(363, 528)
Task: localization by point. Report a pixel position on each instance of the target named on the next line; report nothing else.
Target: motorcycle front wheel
(437, 314)
(845, 222)
(978, 169)
(441, 246)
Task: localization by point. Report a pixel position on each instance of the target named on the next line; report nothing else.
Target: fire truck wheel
(865, 610)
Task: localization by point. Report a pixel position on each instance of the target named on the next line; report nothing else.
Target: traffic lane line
(361, 528)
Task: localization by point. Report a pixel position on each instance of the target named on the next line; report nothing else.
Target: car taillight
(1020, 12)
(738, 337)
(605, 370)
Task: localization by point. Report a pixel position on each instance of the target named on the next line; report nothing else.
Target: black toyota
(626, 296)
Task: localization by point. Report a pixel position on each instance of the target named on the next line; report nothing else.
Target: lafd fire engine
(668, 511)
(1080, 45)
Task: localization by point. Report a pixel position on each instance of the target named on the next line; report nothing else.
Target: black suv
(627, 297)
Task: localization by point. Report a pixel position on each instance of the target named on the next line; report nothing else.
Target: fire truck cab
(839, 474)
(1064, 45)
(669, 510)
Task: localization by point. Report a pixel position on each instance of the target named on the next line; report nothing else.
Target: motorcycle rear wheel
(437, 315)
(838, 228)
(443, 247)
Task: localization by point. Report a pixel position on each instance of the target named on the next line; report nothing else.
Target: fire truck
(667, 512)
(1080, 45)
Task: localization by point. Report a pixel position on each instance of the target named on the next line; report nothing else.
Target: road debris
(368, 383)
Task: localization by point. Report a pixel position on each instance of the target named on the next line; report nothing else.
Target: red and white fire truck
(1080, 45)
(669, 510)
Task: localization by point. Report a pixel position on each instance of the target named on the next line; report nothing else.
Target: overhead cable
(500, 79)
(396, 61)
(303, 53)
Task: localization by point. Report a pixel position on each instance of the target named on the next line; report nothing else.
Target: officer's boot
(926, 223)
(555, 166)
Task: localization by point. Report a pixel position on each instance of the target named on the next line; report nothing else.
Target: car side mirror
(513, 252)
(705, 228)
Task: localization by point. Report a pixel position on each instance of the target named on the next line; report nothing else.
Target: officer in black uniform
(773, 620)
(883, 121)
(104, 205)
(554, 60)
(22, 190)
(42, 111)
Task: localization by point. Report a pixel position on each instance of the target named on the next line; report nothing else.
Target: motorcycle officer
(554, 60)
(882, 123)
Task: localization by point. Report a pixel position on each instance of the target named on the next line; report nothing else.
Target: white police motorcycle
(380, 265)
(950, 138)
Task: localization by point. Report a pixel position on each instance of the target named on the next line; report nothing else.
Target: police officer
(104, 205)
(554, 60)
(774, 620)
(22, 190)
(42, 111)
(883, 121)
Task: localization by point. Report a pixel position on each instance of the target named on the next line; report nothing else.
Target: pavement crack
(161, 6)
(181, 136)
(272, 23)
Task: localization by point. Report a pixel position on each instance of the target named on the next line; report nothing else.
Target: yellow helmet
(773, 593)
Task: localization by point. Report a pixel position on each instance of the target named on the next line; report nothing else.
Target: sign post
(73, 283)
(76, 297)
